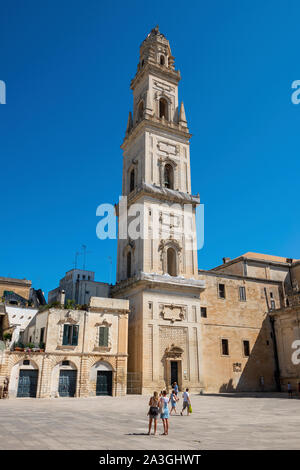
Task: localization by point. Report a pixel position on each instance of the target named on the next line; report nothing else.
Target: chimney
(62, 297)
(225, 260)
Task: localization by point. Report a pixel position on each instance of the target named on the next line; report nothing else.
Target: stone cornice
(15, 282)
(158, 70)
(157, 124)
(163, 194)
(158, 280)
(202, 272)
(255, 260)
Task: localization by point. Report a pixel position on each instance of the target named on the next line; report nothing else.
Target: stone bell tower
(157, 269)
(156, 170)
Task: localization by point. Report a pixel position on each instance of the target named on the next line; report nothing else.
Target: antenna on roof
(76, 257)
(85, 252)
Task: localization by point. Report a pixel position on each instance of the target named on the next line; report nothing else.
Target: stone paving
(261, 421)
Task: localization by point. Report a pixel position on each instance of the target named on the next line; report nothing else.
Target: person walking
(173, 401)
(176, 389)
(290, 391)
(186, 402)
(153, 412)
(164, 400)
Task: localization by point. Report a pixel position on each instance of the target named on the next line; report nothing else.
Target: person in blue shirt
(173, 401)
(176, 389)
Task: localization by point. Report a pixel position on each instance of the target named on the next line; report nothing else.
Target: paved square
(262, 421)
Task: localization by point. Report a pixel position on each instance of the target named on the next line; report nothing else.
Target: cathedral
(165, 320)
(206, 330)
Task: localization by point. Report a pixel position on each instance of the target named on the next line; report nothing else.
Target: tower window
(246, 346)
(163, 108)
(242, 291)
(169, 176)
(225, 348)
(221, 288)
(203, 312)
(162, 60)
(171, 262)
(132, 180)
(129, 264)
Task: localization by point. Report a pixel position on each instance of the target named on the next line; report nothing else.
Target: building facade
(85, 353)
(220, 330)
(78, 285)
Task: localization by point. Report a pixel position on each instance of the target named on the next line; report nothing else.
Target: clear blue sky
(67, 66)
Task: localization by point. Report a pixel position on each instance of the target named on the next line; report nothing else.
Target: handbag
(190, 408)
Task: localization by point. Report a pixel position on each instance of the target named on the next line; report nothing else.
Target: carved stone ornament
(103, 323)
(237, 367)
(173, 312)
(68, 319)
(173, 352)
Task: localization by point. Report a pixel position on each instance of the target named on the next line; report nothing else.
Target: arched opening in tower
(171, 262)
(169, 176)
(132, 180)
(163, 108)
(129, 264)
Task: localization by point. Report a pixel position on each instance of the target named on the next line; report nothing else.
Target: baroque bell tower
(157, 251)
(156, 170)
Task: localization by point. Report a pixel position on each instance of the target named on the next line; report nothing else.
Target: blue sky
(67, 67)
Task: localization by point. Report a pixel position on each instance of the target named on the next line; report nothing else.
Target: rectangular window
(65, 363)
(42, 335)
(26, 362)
(242, 291)
(246, 346)
(221, 291)
(70, 337)
(203, 312)
(225, 349)
(103, 336)
(273, 304)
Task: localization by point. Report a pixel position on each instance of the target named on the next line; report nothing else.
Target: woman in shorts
(153, 412)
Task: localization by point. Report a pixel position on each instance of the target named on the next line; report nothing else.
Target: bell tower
(156, 171)
(157, 255)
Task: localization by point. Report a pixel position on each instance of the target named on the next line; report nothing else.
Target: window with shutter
(103, 336)
(75, 329)
(70, 336)
(66, 335)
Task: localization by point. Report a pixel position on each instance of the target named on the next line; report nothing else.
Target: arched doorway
(24, 379)
(64, 379)
(102, 378)
(171, 262)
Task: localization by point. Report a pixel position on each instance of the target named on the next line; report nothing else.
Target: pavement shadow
(250, 395)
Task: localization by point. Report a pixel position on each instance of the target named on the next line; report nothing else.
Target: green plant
(42, 345)
(7, 336)
(70, 304)
(30, 345)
